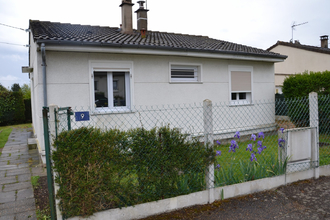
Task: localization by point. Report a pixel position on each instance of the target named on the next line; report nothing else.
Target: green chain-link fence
(108, 159)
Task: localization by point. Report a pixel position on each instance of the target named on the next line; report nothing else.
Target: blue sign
(82, 116)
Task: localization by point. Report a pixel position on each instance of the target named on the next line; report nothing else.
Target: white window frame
(197, 68)
(110, 67)
(249, 94)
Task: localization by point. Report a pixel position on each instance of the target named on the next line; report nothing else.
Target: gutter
(43, 55)
(154, 47)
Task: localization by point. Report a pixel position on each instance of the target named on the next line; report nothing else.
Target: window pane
(242, 95)
(233, 96)
(101, 89)
(119, 90)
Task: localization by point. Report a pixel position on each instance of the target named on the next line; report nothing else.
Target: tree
(26, 90)
(2, 88)
(15, 87)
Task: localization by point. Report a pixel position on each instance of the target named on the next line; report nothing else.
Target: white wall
(69, 77)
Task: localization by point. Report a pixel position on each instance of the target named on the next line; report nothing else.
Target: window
(111, 89)
(240, 84)
(185, 73)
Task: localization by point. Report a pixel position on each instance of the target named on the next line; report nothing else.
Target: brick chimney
(324, 41)
(142, 18)
(126, 16)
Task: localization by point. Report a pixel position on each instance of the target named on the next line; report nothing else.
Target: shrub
(99, 170)
(299, 86)
(12, 108)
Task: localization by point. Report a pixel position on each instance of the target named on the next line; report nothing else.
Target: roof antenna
(293, 28)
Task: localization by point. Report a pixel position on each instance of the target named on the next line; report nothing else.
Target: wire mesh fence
(116, 158)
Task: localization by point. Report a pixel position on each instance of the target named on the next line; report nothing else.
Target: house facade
(301, 58)
(110, 70)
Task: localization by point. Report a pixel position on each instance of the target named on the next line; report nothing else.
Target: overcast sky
(257, 23)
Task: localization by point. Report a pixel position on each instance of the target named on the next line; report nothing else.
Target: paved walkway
(17, 165)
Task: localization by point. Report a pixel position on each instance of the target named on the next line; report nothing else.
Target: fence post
(314, 122)
(208, 141)
(53, 122)
(48, 163)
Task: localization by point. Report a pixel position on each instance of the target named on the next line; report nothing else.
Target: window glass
(101, 90)
(111, 89)
(119, 90)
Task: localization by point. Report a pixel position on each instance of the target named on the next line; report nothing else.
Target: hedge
(100, 170)
(12, 108)
(298, 87)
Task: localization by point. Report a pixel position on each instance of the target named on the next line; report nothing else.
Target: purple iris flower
(261, 134)
(282, 129)
(253, 157)
(249, 147)
(259, 144)
(218, 142)
(233, 146)
(218, 166)
(253, 137)
(281, 142)
(237, 134)
(218, 153)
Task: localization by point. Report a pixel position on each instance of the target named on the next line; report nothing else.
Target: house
(110, 70)
(300, 58)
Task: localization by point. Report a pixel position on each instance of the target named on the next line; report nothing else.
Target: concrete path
(17, 165)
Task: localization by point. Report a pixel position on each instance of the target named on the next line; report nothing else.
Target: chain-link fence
(115, 158)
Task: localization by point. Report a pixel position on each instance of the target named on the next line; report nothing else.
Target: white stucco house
(109, 70)
(301, 58)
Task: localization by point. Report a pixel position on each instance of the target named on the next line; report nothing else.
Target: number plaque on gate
(82, 116)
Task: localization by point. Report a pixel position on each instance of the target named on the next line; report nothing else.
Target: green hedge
(298, 87)
(12, 108)
(100, 170)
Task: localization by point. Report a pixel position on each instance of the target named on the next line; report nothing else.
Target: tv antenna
(293, 28)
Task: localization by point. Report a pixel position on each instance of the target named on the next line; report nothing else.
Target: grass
(34, 181)
(324, 149)
(6, 130)
(236, 167)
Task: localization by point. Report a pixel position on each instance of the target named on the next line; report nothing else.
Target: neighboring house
(108, 70)
(300, 58)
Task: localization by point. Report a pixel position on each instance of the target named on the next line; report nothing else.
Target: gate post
(48, 163)
(314, 122)
(208, 141)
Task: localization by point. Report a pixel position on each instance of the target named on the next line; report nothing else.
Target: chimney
(142, 19)
(126, 17)
(324, 41)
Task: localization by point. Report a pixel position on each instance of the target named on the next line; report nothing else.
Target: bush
(12, 108)
(100, 170)
(299, 86)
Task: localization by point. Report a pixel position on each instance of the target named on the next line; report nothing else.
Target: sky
(256, 23)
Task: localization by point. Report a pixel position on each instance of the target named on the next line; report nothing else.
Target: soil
(41, 196)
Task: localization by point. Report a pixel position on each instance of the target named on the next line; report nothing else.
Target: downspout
(43, 55)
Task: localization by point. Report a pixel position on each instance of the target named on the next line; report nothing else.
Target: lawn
(235, 167)
(6, 130)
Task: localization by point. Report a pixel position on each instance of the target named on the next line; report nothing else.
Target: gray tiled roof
(61, 33)
(301, 46)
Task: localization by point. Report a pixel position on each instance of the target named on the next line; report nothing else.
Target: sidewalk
(17, 165)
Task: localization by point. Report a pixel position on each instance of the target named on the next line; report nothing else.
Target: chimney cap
(324, 37)
(126, 2)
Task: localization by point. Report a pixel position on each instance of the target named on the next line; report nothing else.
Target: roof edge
(160, 48)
